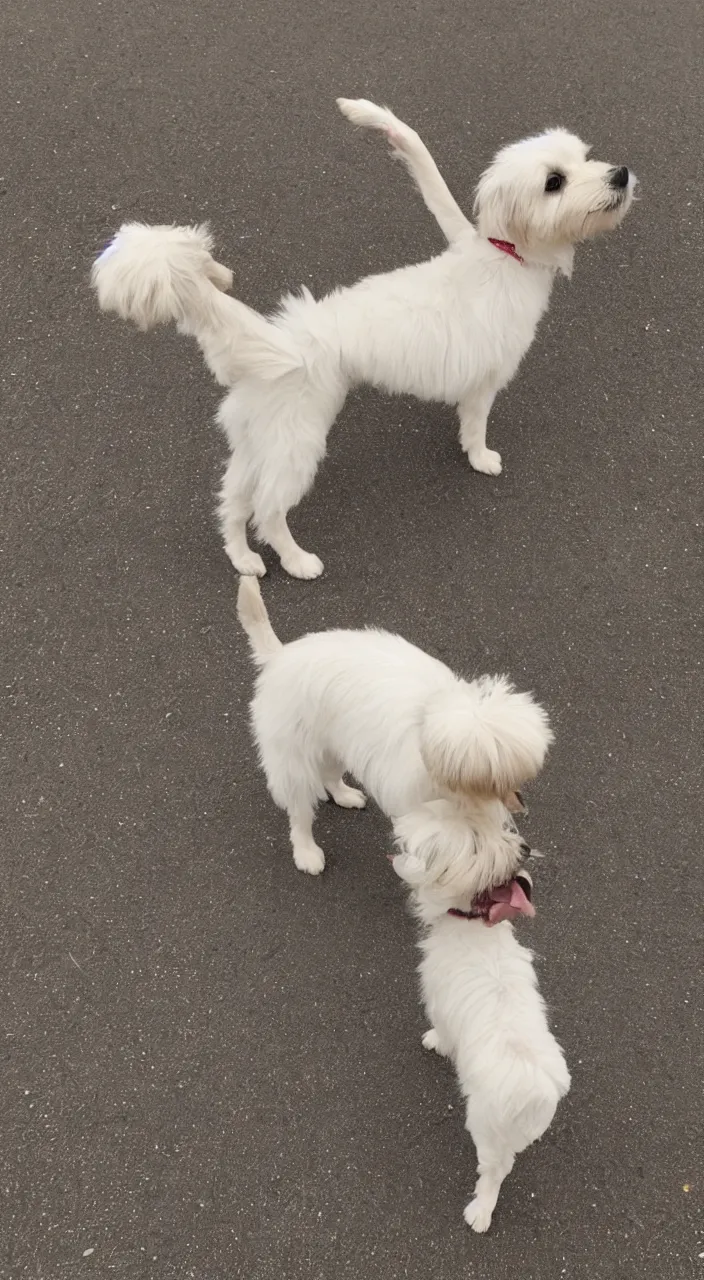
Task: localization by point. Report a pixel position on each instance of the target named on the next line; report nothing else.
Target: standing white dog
(481, 996)
(453, 329)
(407, 728)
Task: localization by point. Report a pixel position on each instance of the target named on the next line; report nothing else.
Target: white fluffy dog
(443, 758)
(452, 329)
(407, 727)
(481, 997)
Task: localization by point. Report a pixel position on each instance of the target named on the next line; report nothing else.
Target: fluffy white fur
(486, 1013)
(409, 730)
(452, 329)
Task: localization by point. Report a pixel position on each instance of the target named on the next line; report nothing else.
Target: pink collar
(506, 247)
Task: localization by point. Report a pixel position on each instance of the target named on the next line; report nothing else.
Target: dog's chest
(501, 327)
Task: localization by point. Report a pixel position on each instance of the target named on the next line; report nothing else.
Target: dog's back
(356, 696)
(482, 997)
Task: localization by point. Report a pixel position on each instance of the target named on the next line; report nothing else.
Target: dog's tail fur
(484, 740)
(408, 147)
(252, 613)
(151, 275)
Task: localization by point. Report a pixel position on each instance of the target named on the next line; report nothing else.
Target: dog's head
(544, 195)
(465, 858)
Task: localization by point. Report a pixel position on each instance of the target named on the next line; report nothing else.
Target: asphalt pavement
(211, 1064)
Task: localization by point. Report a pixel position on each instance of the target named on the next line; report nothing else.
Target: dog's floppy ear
(409, 869)
(484, 738)
(414, 836)
(501, 208)
(435, 842)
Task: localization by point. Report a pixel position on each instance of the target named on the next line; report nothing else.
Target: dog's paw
(348, 797)
(248, 563)
(488, 461)
(310, 859)
(431, 1040)
(302, 564)
(477, 1216)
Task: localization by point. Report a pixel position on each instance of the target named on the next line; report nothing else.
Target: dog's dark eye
(554, 181)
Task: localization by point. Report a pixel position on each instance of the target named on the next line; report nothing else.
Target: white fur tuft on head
(485, 738)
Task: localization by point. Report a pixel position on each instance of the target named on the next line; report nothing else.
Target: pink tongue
(508, 902)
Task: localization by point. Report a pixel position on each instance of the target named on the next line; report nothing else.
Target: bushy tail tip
(485, 738)
(151, 275)
(361, 111)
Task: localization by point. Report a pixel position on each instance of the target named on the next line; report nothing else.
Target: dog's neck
(462, 915)
(433, 914)
(556, 258)
(505, 246)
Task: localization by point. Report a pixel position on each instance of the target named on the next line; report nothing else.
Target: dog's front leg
(474, 410)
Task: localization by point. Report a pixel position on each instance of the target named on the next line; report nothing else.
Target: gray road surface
(211, 1064)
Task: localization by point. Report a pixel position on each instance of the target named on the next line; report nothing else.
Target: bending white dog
(407, 728)
(443, 758)
(481, 996)
(453, 329)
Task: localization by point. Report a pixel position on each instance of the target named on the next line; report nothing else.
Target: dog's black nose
(619, 177)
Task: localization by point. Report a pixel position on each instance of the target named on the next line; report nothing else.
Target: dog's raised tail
(151, 275)
(252, 613)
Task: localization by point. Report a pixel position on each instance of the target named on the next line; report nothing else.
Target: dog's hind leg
(287, 431)
(338, 790)
(235, 510)
(474, 410)
(307, 855)
(495, 1159)
(287, 440)
(293, 774)
(299, 563)
(431, 1041)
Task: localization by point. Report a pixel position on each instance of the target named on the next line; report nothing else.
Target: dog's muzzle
(619, 178)
(503, 902)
